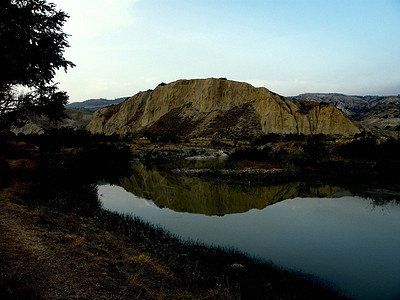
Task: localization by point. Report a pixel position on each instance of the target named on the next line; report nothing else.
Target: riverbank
(51, 215)
(46, 254)
(53, 250)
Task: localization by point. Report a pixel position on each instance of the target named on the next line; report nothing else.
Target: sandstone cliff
(219, 107)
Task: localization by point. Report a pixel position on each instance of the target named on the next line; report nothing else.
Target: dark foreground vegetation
(364, 164)
(57, 184)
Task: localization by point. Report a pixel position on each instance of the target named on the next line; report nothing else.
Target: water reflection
(320, 230)
(340, 240)
(194, 195)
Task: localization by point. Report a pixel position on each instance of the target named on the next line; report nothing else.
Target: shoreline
(119, 250)
(55, 197)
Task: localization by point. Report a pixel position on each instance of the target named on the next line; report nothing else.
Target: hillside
(219, 108)
(380, 114)
(76, 119)
(92, 105)
(79, 116)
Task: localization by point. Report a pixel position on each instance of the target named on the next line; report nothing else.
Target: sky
(121, 47)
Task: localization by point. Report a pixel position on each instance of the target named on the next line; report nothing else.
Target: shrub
(251, 154)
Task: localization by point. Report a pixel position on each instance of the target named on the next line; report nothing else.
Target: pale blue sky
(121, 47)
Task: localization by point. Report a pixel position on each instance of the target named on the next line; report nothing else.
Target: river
(345, 240)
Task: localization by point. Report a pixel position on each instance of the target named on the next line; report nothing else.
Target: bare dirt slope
(219, 108)
(379, 114)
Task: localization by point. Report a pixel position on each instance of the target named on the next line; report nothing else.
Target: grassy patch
(217, 270)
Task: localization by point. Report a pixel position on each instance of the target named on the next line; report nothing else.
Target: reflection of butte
(195, 195)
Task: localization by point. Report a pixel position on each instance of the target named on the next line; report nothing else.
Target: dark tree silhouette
(32, 46)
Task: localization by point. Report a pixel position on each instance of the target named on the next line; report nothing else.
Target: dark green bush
(371, 149)
(67, 181)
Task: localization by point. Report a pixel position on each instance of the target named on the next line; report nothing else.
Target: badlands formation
(219, 108)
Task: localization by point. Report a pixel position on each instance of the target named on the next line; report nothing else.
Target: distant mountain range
(92, 105)
(380, 114)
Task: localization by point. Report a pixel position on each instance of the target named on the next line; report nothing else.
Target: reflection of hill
(194, 195)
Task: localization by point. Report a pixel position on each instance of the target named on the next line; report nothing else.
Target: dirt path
(39, 259)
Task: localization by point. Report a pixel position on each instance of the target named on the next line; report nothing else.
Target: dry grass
(47, 254)
(145, 261)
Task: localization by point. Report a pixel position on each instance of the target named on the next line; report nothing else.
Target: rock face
(219, 107)
(379, 114)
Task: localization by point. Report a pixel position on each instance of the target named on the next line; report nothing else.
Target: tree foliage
(32, 46)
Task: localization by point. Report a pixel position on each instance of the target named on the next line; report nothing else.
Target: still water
(345, 240)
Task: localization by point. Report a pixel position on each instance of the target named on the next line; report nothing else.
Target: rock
(378, 114)
(217, 108)
(236, 266)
